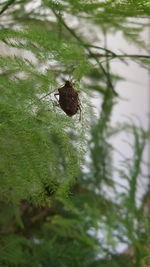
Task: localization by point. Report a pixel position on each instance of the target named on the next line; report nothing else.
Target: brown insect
(68, 99)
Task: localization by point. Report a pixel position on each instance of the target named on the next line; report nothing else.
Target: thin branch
(132, 56)
(94, 46)
(10, 2)
(106, 53)
(111, 53)
(123, 56)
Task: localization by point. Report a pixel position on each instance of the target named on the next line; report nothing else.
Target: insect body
(69, 99)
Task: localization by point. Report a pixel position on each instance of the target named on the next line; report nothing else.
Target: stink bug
(69, 99)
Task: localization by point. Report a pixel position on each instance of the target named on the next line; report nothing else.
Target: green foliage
(56, 172)
(29, 127)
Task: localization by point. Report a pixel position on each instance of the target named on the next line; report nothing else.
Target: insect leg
(80, 118)
(80, 103)
(56, 97)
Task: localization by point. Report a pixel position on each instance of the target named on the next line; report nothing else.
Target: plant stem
(10, 2)
(123, 56)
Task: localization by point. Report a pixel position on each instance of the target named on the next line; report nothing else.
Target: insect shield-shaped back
(69, 99)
